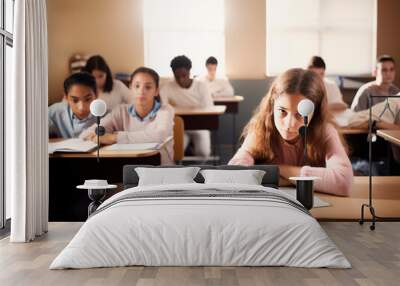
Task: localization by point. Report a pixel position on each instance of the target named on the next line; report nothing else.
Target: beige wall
(388, 39)
(114, 29)
(110, 28)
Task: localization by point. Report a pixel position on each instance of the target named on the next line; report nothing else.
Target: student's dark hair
(211, 61)
(385, 58)
(148, 71)
(97, 62)
(181, 62)
(81, 78)
(317, 62)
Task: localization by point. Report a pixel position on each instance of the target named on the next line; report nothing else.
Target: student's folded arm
(85, 134)
(114, 120)
(243, 155)
(337, 177)
(109, 122)
(157, 131)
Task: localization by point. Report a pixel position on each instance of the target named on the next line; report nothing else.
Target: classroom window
(7, 62)
(190, 27)
(343, 32)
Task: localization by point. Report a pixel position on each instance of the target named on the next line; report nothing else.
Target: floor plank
(375, 257)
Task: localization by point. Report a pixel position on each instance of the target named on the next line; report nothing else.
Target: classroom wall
(76, 26)
(388, 40)
(110, 28)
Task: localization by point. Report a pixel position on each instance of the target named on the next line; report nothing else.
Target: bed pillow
(248, 177)
(166, 176)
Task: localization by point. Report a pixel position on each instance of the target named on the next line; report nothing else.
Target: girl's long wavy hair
(261, 125)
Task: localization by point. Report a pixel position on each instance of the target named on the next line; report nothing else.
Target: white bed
(224, 225)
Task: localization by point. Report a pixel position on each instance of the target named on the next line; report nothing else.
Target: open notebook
(138, 146)
(74, 145)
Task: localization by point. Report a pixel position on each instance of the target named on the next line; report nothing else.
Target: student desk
(67, 170)
(342, 118)
(352, 131)
(393, 136)
(201, 118)
(386, 200)
(231, 102)
(232, 107)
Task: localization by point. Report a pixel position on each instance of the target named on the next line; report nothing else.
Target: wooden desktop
(393, 136)
(231, 102)
(201, 118)
(386, 200)
(67, 170)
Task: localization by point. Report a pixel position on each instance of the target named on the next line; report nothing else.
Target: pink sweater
(130, 129)
(336, 176)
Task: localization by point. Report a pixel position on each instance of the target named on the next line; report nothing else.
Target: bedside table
(96, 191)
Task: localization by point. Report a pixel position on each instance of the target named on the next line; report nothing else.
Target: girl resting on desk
(144, 121)
(272, 135)
(112, 91)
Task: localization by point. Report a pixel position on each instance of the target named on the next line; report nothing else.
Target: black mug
(305, 193)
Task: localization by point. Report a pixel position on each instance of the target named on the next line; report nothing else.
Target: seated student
(112, 91)
(68, 118)
(272, 135)
(144, 121)
(188, 93)
(385, 73)
(334, 96)
(217, 86)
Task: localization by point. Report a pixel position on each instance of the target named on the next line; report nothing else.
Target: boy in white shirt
(185, 92)
(334, 96)
(217, 86)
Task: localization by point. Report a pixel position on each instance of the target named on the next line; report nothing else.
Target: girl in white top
(112, 91)
(217, 86)
(144, 121)
(188, 93)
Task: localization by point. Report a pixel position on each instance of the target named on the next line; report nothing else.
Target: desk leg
(96, 196)
(215, 146)
(234, 134)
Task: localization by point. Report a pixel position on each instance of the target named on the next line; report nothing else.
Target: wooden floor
(374, 255)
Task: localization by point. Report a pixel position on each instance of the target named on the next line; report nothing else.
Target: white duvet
(204, 231)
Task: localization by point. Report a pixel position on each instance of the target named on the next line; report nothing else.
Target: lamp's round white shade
(98, 107)
(305, 107)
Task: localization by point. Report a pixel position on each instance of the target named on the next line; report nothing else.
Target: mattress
(201, 225)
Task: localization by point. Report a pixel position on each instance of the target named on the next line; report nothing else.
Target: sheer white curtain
(26, 117)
